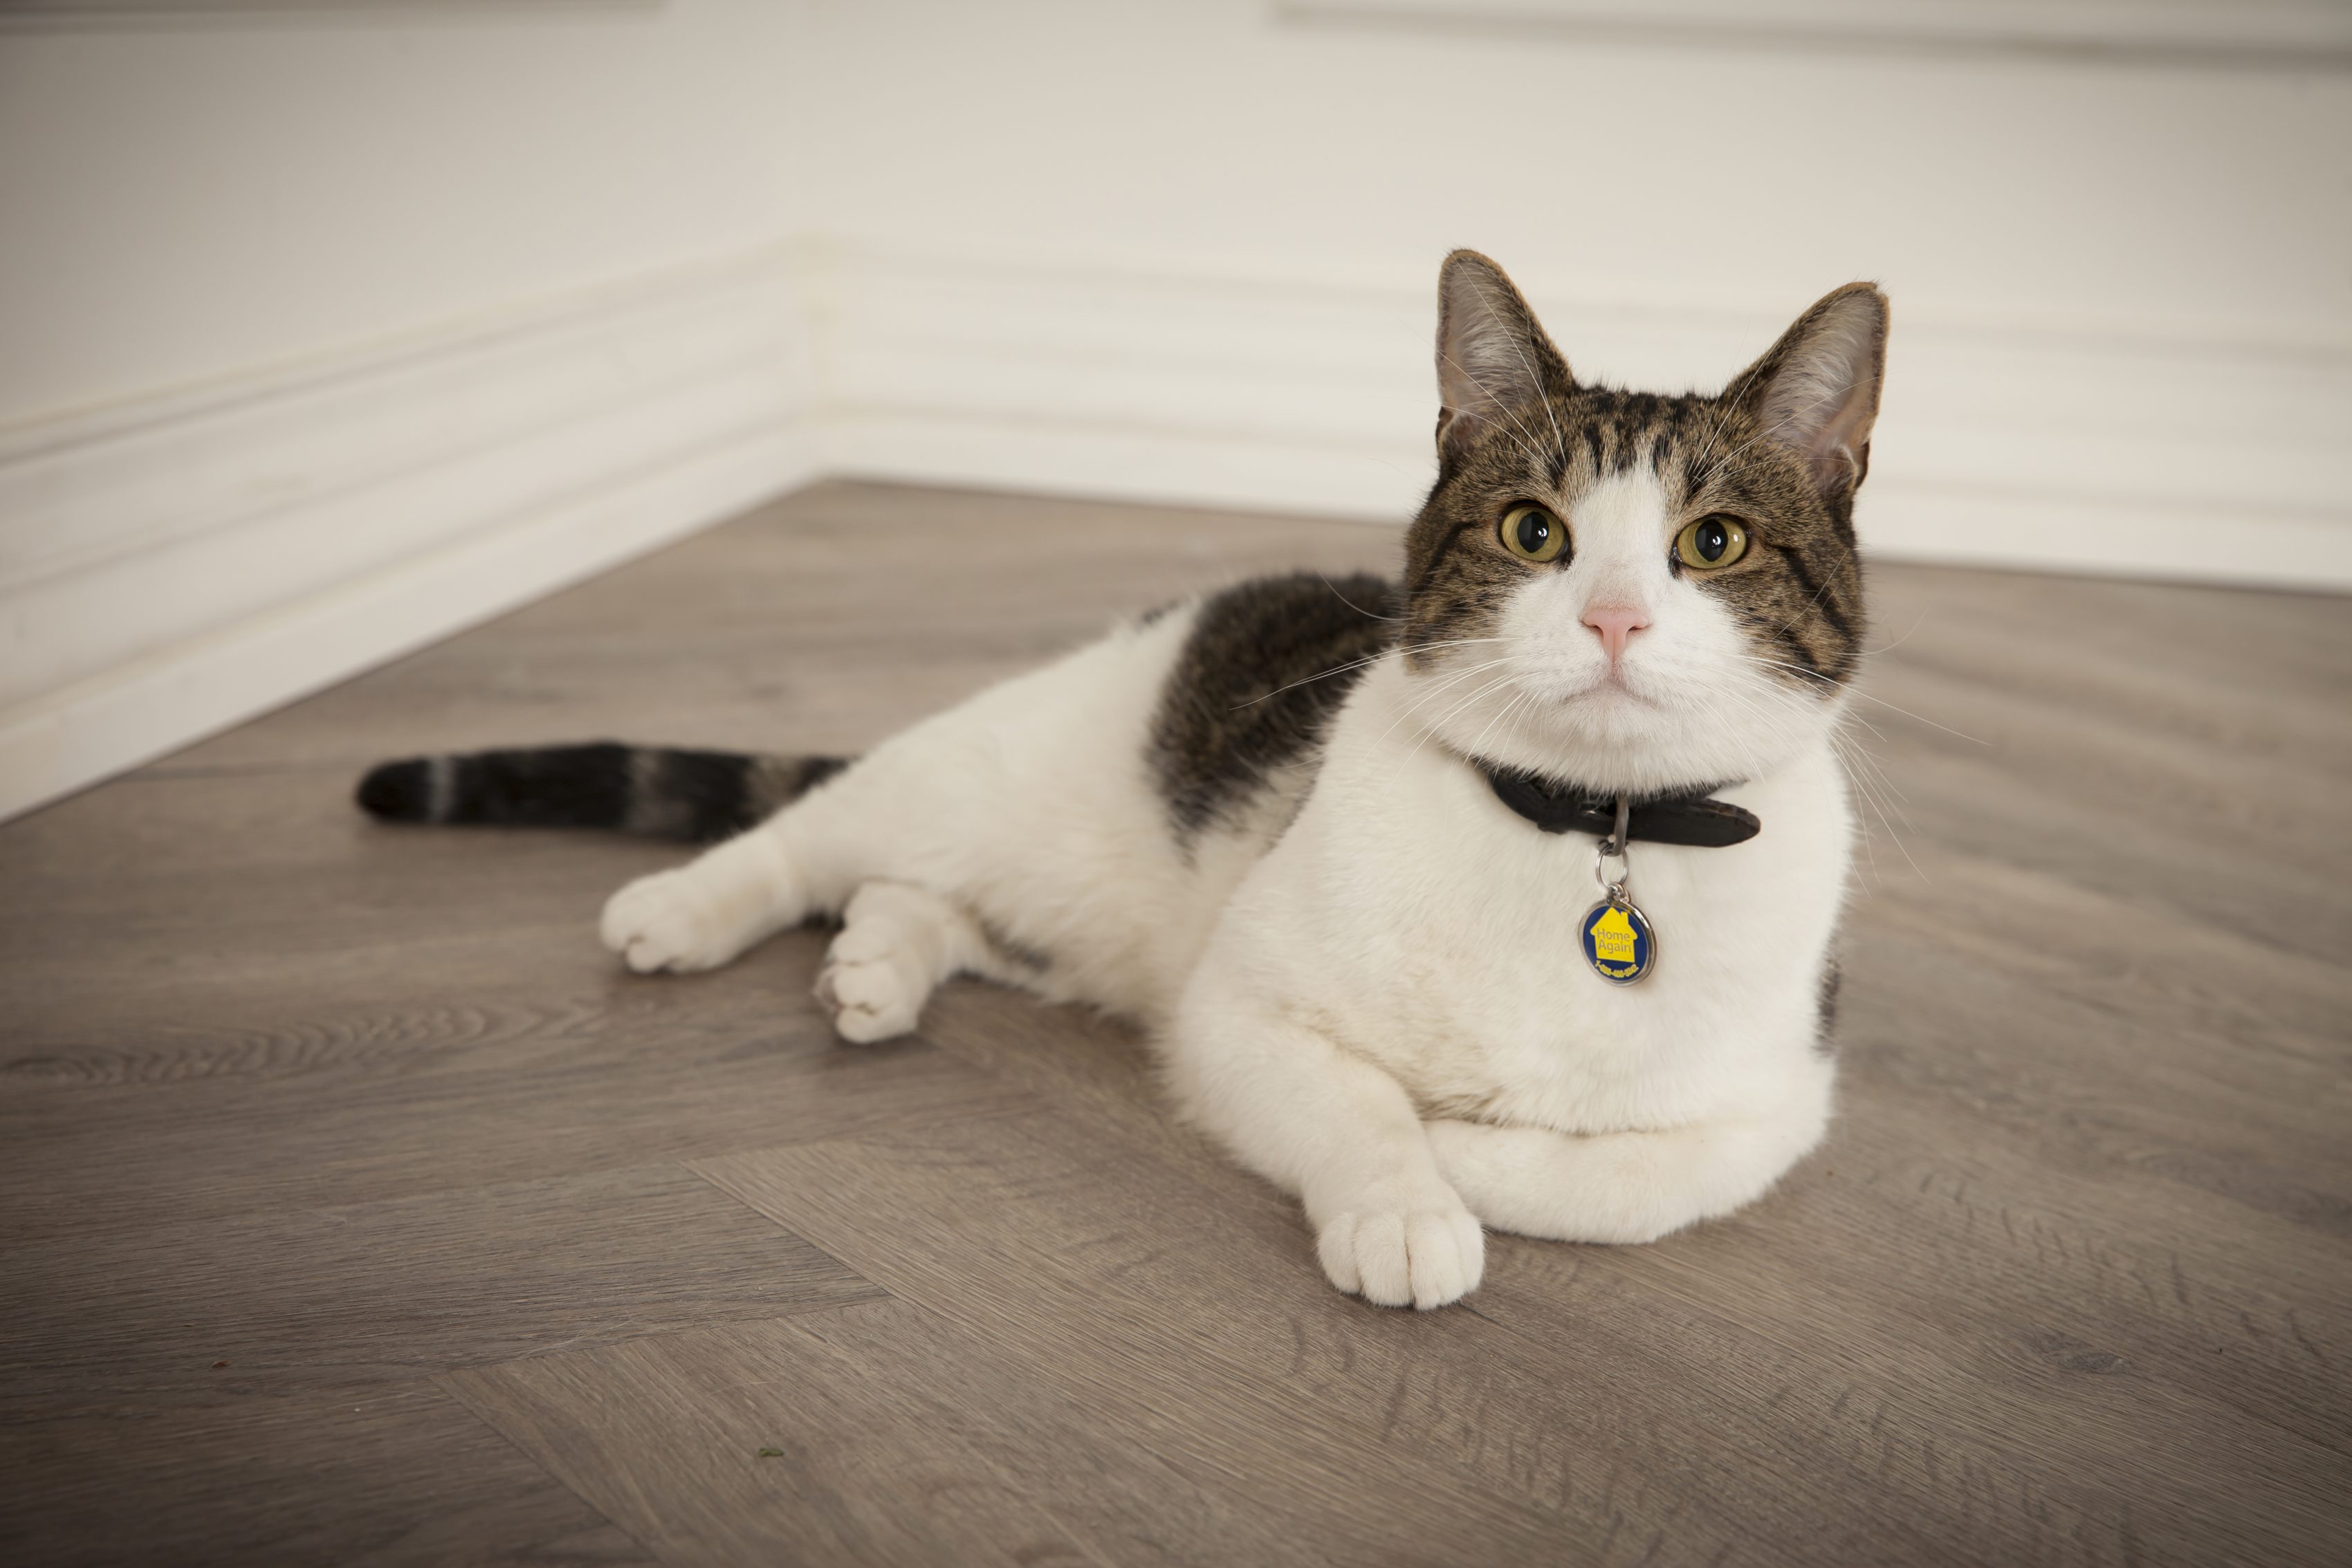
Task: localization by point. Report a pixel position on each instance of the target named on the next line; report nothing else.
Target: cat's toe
(870, 998)
(1427, 1255)
(659, 922)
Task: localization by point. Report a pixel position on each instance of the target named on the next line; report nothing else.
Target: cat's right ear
(1492, 359)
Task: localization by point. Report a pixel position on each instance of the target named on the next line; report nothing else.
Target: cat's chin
(1609, 699)
(1622, 742)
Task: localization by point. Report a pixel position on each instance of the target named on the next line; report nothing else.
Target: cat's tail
(651, 791)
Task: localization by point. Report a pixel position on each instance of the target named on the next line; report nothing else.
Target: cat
(1338, 844)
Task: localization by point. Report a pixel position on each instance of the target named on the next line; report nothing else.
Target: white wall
(321, 337)
(184, 199)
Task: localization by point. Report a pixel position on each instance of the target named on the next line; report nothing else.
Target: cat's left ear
(1816, 390)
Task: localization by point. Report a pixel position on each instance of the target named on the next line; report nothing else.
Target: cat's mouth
(1609, 688)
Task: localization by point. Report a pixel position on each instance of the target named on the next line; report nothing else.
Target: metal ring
(1612, 848)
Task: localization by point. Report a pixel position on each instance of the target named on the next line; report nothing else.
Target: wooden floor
(357, 1208)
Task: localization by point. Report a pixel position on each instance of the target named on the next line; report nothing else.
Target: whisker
(1431, 729)
(1523, 696)
(1778, 727)
(1359, 663)
(1915, 624)
(1350, 603)
(1870, 798)
(1449, 682)
(1479, 692)
(1817, 675)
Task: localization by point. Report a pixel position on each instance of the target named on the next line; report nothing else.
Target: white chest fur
(1416, 920)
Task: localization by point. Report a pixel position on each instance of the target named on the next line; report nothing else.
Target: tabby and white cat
(1273, 823)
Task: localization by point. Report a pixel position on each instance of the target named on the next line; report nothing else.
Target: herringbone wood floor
(357, 1208)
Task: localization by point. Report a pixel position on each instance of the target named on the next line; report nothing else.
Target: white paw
(666, 921)
(1424, 1251)
(871, 984)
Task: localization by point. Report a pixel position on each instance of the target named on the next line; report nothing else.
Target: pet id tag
(1617, 938)
(1618, 941)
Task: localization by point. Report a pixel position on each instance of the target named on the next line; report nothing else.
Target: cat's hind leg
(898, 943)
(702, 915)
(699, 915)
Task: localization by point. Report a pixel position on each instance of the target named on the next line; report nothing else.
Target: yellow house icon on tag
(1612, 937)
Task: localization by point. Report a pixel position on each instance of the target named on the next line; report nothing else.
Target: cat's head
(1634, 592)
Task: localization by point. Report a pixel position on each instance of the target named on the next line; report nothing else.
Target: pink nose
(1616, 625)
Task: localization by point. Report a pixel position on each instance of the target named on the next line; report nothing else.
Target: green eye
(1533, 534)
(1714, 540)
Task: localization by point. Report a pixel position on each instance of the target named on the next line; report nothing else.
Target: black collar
(1686, 818)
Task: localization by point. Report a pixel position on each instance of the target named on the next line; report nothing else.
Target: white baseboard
(165, 700)
(174, 566)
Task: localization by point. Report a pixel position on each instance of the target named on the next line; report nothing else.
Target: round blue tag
(1618, 941)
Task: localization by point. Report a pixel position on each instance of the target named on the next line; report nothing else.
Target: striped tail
(649, 790)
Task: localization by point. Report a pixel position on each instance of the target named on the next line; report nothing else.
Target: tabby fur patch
(1264, 666)
(660, 792)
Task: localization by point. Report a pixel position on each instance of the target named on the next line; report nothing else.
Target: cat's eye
(1533, 534)
(1713, 541)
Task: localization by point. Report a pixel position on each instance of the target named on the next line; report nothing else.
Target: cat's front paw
(1425, 1251)
(666, 922)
